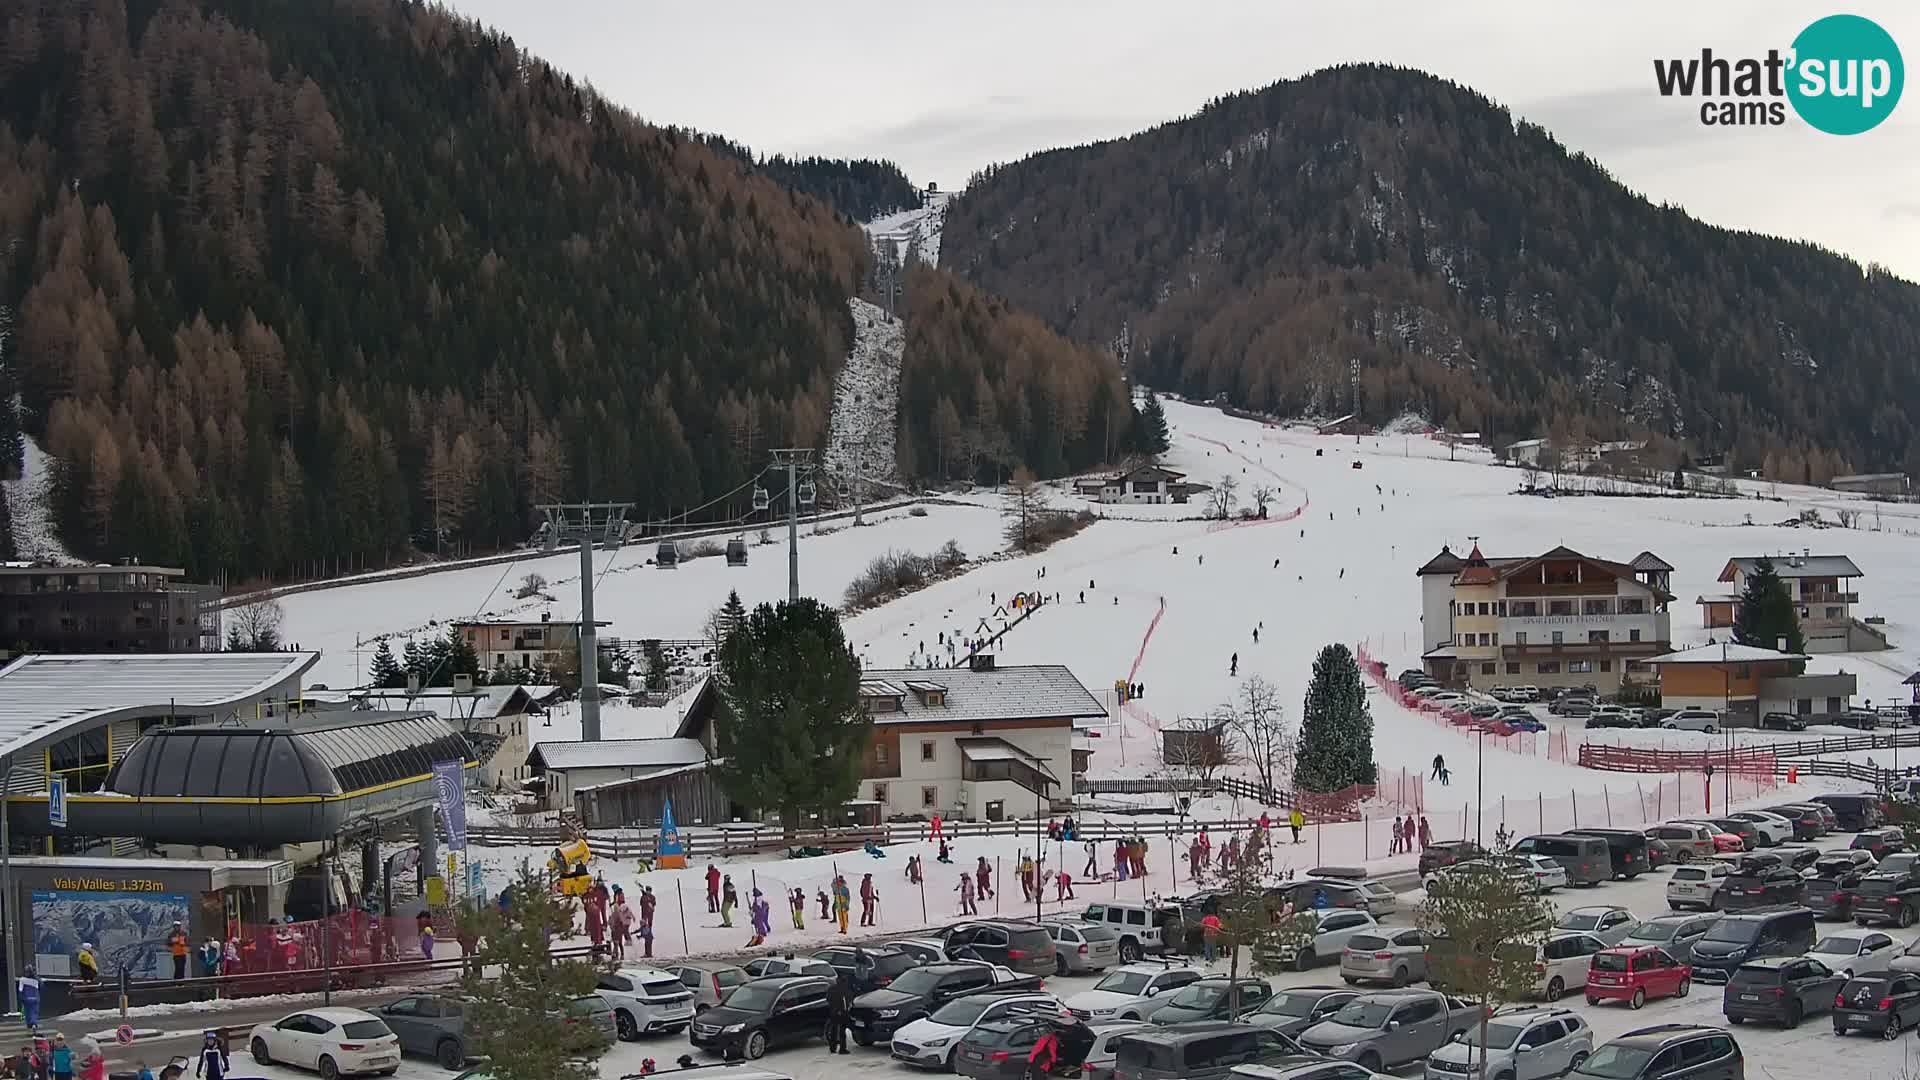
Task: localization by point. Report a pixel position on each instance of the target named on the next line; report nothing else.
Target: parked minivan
(1856, 812)
(1752, 935)
(1686, 840)
(1627, 849)
(1587, 858)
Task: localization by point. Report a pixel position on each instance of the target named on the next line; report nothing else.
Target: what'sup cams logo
(1843, 75)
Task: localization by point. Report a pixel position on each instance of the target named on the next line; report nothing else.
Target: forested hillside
(1469, 266)
(297, 283)
(862, 189)
(984, 388)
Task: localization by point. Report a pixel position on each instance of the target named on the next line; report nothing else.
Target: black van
(1587, 858)
(1626, 847)
(1856, 812)
(1751, 935)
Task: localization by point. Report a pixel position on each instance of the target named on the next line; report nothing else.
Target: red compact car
(1635, 974)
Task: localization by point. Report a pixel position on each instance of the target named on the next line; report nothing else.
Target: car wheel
(1350, 980)
(1859, 922)
(1685, 987)
(863, 1040)
(757, 1046)
(1556, 988)
(1303, 960)
(1710, 729)
(1893, 1028)
(1736, 1021)
(1400, 977)
(449, 1055)
(1638, 1000)
(1683, 855)
(329, 1069)
(1129, 951)
(625, 1026)
(1370, 1061)
(1578, 1060)
(261, 1055)
(1793, 1015)
(1905, 917)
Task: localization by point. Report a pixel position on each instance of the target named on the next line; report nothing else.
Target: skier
(826, 913)
(729, 899)
(760, 914)
(1343, 573)
(1233, 666)
(213, 1063)
(1026, 877)
(1063, 888)
(965, 889)
(1425, 833)
(1194, 856)
(842, 902)
(28, 985)
(1083, 599)
(934, 825)
(622, 926)
(1393, 845)
(1276, 564)
(913, 869)
(797, 900)
(1203, 560)
(1296, 821)
(713, 889)
(946, 854)
(1256, 635)
(983, 876)
(1093, 860)
(1439, 766)
(867, 898)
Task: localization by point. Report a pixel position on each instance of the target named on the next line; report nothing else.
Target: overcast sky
(944, 89)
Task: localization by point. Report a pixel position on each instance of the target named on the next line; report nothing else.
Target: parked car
(1547, 874)
(1293, 1009)
(1636, 973)
(1887, 896)
(1858, 719)
(1884, 1003)
(1131, 992)
(1083, 946)
(1573, 708)
(930, 1041)
(1697, 886)
(1656, 1053)
(1807, 821)
(1512, 868)
(1524, 1042)
(1863, 953)
(1724, 842)
(1388, 955)
(877, 1014)
(646, 1000)
(1626, 850)
(1908, 960)
(1855, 812)
(432, 1026)
(1674, 933)
(1390, 1028)
(1140, 926)
(1331, 927)
(1703, 720)
(1799, 858)
(1781, 989)
(1659, 855)
(1782, 721)
(1560, 963)
(1880, 842)
(1653, 718)
(1197, 1051)
(1756, 887)
(1024, 947)
(779, 1010)
(774, 966)
(1749, 834)
(1604, 921)
(1212, 998)
(1446, 853)
(1832, 879)
(1751, 935)
(1377, 897)
(593, 1011)
(1587, 859)
(998, 1049)
(1303, 1066)
(1686, 840)
(1774, 830)
(868, 968)
(708, 981)
(1610, 716)
(333, 1042)
(923, 951)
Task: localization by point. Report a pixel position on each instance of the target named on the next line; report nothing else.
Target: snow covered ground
(866, 399)
(916, 231)
(34, 537)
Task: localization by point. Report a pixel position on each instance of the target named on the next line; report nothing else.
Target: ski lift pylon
(737, 551)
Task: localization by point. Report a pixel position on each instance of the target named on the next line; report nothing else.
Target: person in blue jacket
(29, 986)
(213, 1063)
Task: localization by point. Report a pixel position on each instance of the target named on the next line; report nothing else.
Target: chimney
(981, 662)
(463, 683)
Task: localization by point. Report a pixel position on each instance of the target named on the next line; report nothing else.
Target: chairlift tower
(800, 492)
(587, 524)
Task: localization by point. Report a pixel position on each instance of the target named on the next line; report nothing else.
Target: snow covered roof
(1647, 560)
(619, 754)
(992, 749)
(1039, 692)
(1728, 653)
(44, 697)
(651, 774)
(1796, 566)
(485, 703)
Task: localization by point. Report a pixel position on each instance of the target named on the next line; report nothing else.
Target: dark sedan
(1780, 989)
(1211, 999)
(1883, 1004)
(1297, 1008)
(1808, 822)
(764, 1013)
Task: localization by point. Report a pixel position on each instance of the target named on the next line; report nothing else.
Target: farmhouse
(1145, 484)
(1744, 683)
(1821, 588)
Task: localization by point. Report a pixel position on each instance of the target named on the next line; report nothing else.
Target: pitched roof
(44, 696)
(1444, 563)
(1157, 471)
(619, 754)
(990, 748)
(1629, 571)
(1475, 570)
(1647, 560)
(485, 703)
(1039, 692)
(1796, 566)
(1728, 653)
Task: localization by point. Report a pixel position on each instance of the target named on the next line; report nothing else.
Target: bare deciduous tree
(1223, 497)
(255, 627)
(531, 585)
(1262, 495)
(1026, 507)
(1259, 723)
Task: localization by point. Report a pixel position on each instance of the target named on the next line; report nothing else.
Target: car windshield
(1122, 982)
(1579, 920)
(1897, 864)
(1654, 931)
(751, 997)
(1199, 996)
(1500, 1034)
(1291, 1004)
(1838, 946)
(1738, 931)
(1363, 1014)
(1615, 1062)
(960, 1012)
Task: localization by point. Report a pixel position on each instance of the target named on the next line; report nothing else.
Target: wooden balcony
(1584, 649)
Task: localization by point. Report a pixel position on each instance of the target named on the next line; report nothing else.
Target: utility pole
(799, 464)
(586, 523)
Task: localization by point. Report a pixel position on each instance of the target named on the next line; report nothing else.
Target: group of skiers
(1408, 831)
(611, 920)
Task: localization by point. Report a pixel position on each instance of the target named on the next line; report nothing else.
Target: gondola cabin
(666, 556)
(737, 551)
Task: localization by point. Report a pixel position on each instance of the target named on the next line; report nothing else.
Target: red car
(1635, 974)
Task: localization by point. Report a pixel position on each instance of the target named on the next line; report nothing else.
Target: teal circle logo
(1847, 75)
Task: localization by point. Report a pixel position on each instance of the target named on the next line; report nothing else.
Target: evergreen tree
(459, 659)
(414, 661)
(523, 989)
(732, 614)
(385, 672)
(1766, 611)
(656, 664)
(1336, 729)
(791, 730)
(1150, 434)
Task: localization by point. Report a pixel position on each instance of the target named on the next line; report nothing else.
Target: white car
(647, 1000)
(1560, 963)
(931, 1040)
(334, 1042)
(1335, 927)
(1693, 720)
(1856, 952)
(1547, 874)
(1773, 828)
(1606, 922)
(1696, 886)
(1131, 992)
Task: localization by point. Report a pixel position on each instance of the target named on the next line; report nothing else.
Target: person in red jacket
(713, 888)
(936, 828)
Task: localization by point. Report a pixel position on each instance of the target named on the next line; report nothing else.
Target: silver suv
(1525, 1043)
(1693, 720)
